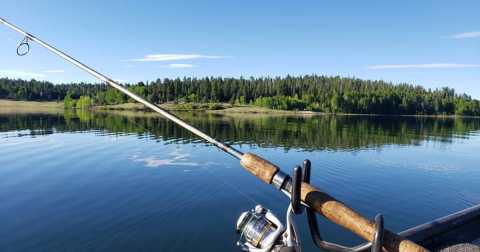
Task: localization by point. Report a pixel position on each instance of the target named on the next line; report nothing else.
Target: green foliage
(193, 97)
(68, 101)
(84, 102)
(242, 100)
(215, 106)
(203, 106)
(309, 92)
(21, 93)
(187, 106)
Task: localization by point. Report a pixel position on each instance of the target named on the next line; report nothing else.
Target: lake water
(130, 181)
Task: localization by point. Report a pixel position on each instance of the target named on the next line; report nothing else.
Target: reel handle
(331, 208)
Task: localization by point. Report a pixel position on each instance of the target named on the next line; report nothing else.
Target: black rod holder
(296, 189)
(379, 232)
(375, 246)
(307, 167)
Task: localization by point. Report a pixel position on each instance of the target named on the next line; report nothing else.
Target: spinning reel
(264, 232)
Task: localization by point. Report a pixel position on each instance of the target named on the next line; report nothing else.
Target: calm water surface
(87, 181)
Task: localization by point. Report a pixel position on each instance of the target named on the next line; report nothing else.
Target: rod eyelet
(24, 42)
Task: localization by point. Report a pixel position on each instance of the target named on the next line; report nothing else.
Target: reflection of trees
(309, 133)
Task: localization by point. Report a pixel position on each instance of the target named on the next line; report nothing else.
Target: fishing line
(7, 38)
(232, 186)
(217, 142)
(139, 125)
(221, 179)
(86, 91)
(128, 118)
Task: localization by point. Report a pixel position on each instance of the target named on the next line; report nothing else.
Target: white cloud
(54, 71)
(440, 65)
(474, 34)
(21, 74)
(169, 57)
(178, 65)
(128, 66)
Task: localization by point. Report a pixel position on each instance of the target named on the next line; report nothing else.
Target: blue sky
(429, 43)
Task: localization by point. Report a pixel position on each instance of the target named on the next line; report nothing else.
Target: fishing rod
(262, 230)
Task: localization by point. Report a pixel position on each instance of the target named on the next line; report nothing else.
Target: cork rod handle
(331, 208)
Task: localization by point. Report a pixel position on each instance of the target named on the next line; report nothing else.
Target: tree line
(330, 94)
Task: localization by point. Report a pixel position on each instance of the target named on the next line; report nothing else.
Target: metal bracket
(279, 179)
(375, 246)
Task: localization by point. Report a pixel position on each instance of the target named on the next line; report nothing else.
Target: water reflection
(106, 181)
(153, 161)
(308, 133)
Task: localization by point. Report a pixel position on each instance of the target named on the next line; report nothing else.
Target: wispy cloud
(170, 57)
(21, 74)
(54, 71)
(128, 66)
(474, 34)
(439, 65)
(178, 65)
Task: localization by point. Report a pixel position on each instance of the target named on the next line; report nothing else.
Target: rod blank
(225, 147)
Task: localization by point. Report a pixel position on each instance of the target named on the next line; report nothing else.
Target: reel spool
(263, 232)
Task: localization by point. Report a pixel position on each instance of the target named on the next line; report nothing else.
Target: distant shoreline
(204, 107)
(30, 104)
(226, 108)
